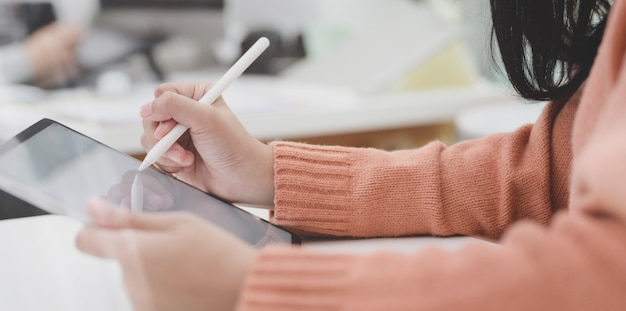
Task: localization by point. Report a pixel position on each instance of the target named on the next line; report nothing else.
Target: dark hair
(548, 46)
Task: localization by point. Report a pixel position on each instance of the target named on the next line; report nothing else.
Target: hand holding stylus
(215, 92)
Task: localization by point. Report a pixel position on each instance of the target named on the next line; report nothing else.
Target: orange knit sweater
(508, 187)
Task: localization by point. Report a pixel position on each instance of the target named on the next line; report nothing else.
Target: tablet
(58, 169)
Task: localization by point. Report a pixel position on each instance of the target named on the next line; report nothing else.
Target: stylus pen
(216, 91)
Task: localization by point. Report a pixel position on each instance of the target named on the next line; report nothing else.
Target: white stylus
(136, 195)
(216, 91)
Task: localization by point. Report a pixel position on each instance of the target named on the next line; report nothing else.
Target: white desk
(41, 269)
(297, 111)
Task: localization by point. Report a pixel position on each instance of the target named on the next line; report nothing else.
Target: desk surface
(42, 270)
(269, 108)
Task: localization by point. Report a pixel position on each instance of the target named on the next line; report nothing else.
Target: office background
(330, 59)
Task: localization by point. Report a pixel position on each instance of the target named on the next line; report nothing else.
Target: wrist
(261, 190)
(269, 177)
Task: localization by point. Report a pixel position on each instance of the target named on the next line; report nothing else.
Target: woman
(511, 187)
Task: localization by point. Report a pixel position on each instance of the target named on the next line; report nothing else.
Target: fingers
(179, 101)
(175, 159)
(198, 117)
(159, 128)
(119, 234)
(105, 243)
(128, 246)
(161, 115)
(192, 90)
(180, 108)
(158, 117)
(109, 216)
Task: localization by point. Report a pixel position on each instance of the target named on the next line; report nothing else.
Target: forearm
(473, 188)
(577, 264)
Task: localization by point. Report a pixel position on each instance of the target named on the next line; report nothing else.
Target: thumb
(107, 215)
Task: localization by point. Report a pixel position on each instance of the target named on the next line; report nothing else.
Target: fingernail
(146, 110)
(175, 156)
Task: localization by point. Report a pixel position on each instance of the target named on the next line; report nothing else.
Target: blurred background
(389, 74)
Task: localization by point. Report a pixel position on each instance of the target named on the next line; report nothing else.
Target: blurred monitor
(197, 21)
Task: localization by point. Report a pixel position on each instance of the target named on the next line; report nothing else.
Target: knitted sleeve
(576, 264)
(476, 187)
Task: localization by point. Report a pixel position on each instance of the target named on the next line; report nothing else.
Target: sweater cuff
(313, 187)
(286, 278)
